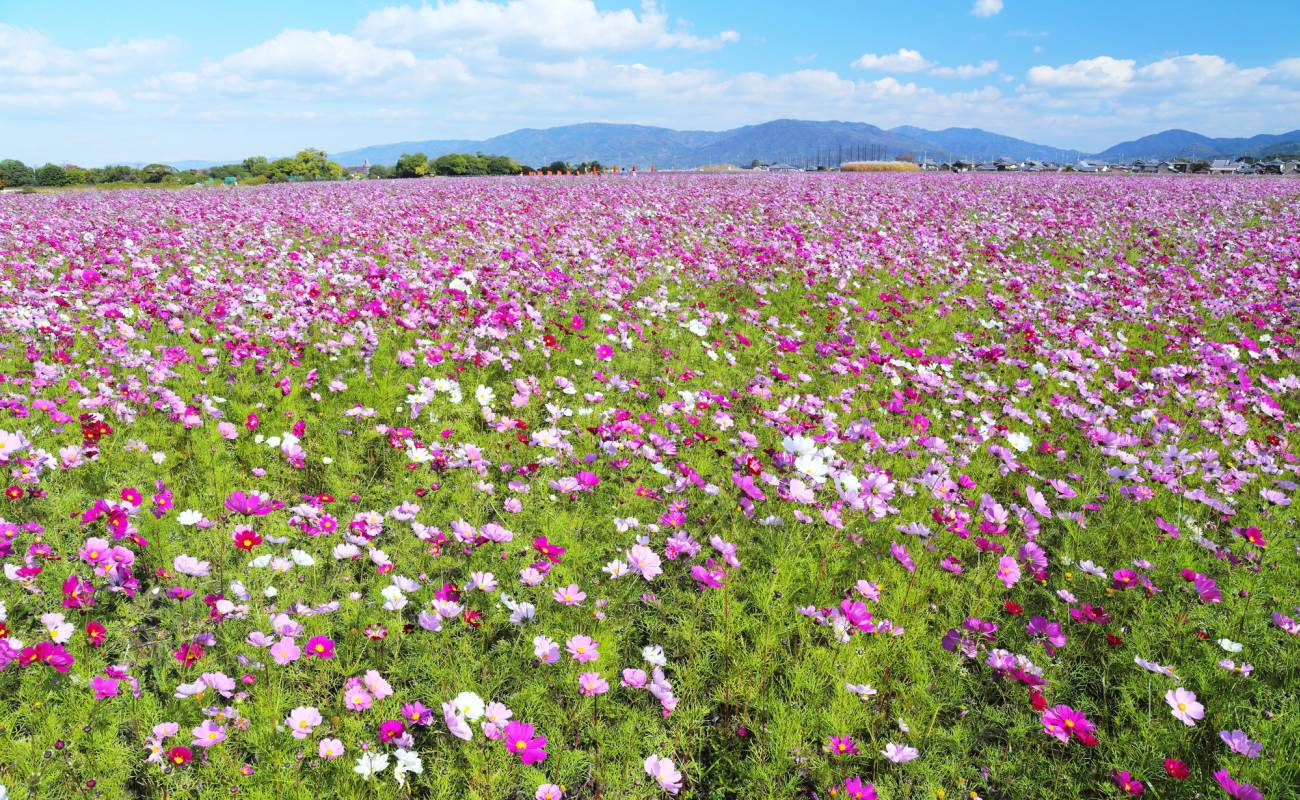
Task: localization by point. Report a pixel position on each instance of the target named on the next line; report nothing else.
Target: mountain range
(1176, 142)
(802, 142)
(788, 140)
(797, 142)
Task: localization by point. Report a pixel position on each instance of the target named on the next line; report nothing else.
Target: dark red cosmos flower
(180, 756)
(1176, 769)
(1013, 608)
(246, 538)
(1037, 700)
(95, 633)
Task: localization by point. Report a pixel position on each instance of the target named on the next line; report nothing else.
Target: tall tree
(51, 175)
(15, 173)
(412, 165)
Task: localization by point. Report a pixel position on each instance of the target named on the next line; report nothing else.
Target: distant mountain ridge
(1177, 142)
(799, 142)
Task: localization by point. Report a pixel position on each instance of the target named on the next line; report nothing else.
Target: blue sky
(95, 82)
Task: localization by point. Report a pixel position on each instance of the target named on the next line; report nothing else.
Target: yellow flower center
(519, 744)
(1182, 706)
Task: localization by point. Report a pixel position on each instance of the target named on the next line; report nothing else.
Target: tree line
(308, 165)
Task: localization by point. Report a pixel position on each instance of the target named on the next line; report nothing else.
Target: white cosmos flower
(469, 705)
(370, 764)
(654, 654)
(406, 761)
(189, 517)
(1019, 441)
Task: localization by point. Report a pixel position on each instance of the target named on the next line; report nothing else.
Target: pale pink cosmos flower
(1184, 706)
(302, 720)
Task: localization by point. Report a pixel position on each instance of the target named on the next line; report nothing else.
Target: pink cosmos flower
(455, 722)
(330, 749)
(569, 596)
(583, 648)
(285, 651)
(899, 753)
(208, 733)
(590, 683)
(1184, 706)
(357, 699)
(302, 720)
(664, 772)
(1008, 571)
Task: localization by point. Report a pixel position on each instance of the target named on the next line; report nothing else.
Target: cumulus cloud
(904, 60)
(986, 8)
(36, 74)
(1102, 72)
(1185, 75)
(555, 25)
(967, 70)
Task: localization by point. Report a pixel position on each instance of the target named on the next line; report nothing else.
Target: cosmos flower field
(800, 486)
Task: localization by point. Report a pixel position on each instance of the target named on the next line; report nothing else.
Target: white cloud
(966, 70)
(1286, 69)
(556, 25)
(318, 55)
(1100, 73)
(312, 65)
(986, 8)
(904, 60)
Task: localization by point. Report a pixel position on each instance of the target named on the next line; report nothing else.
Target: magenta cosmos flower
(320, 646)
(1237, 791)
(519, 739)
(857, 790)
(1064, 722)
(843, 746)
(1128, 783)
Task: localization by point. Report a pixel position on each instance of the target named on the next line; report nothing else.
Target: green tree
(314, 165)
(503, 165)
(411, 165)
(51, 175)
(154, 173)
(452, 164)
(282, 169)
(15, 173)
(381, 171)
(557, 166)
(78, 176)
(115, 173)
(257, 165)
